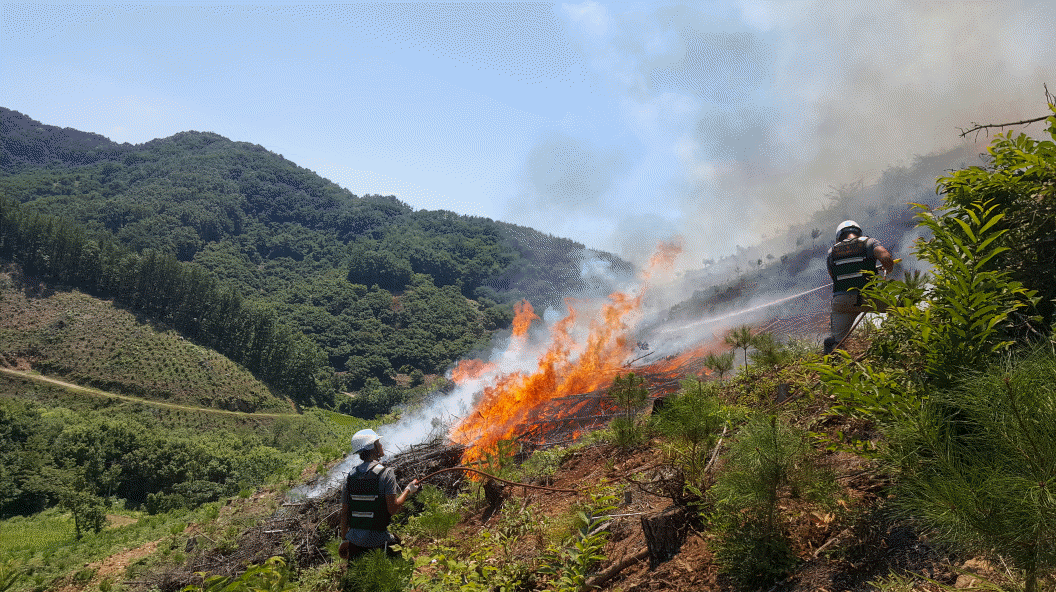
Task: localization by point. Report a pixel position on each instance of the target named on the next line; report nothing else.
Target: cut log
(612, 571)
(664, 534)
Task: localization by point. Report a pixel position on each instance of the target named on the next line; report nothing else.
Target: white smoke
(442, 410)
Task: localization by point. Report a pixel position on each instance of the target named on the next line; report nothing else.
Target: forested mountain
(243, 250)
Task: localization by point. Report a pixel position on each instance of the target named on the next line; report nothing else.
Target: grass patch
(30, 534)
(45, 547)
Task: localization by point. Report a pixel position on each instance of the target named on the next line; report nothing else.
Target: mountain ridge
(351, 272)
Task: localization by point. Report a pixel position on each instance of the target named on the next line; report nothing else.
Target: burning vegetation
(572, 368)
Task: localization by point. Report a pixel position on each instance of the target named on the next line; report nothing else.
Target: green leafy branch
(271, 576)
(573, 564)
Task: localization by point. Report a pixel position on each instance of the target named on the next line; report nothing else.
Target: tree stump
(664, 533)
(782, 393)
(495, 494)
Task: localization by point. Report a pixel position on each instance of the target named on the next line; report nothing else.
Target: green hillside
(378, 288)
(90, 342)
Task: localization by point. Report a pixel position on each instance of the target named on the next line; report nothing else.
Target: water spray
(743, 311)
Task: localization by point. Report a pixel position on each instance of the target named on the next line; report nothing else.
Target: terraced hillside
(92, 342)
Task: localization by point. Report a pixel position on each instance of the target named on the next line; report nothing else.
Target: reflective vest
(367, 509)
(848, 262)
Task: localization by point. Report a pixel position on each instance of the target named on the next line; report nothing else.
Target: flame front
(566, 367)
(562, 370)
(523, 315)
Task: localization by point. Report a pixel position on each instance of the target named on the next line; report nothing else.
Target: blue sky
(615, 124)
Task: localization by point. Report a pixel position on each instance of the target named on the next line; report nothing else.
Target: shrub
(543, 464)
(767, 460)
(376, 572)
(626, 433)
(439, 515)
(966, 312)
(768, 351)
(691, 421)
(976, 466)
(936, 333)
(1019, 177)
(9, 574)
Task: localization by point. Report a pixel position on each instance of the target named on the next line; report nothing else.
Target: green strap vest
(367, 508)
(848, 262)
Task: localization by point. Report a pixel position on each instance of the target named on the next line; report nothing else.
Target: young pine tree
(630, 395)
(741, 337)
(721, 363)
(978, 465)
(767, 461)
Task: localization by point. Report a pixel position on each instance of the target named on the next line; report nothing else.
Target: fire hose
(490, 476)
(344, 548)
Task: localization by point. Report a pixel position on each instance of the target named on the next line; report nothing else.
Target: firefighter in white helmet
(369, 499)
(850, 262)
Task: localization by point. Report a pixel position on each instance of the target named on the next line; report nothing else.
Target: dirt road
(32, 377)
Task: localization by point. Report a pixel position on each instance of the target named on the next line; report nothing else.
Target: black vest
(848, 261)
(367, 508)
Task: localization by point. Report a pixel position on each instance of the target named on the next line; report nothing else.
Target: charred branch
(979, 127)
(1049, 99)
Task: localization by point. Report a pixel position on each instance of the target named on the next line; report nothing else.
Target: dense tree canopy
(240, 248)
(46, 455)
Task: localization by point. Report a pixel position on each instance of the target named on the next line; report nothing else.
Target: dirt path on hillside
(28, 376)
(112, 568)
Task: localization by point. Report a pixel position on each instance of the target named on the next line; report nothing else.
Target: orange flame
(560, 372)
(466, 370)
(565, 367)
(523, 315)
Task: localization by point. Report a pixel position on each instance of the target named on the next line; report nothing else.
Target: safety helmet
(363, 440)
(847, 226)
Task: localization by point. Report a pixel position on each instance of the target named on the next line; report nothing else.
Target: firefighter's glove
(413, 487)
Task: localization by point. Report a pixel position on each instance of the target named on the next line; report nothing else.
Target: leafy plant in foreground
(960, 319)
(966, 311)
(9, 574)
(573, 564)
(1020, 177)
(271, 576)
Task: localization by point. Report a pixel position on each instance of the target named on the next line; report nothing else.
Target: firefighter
(369, 499)
(851, 261)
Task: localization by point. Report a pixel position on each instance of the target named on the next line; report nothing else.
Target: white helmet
(364, 439)
(847, 226)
